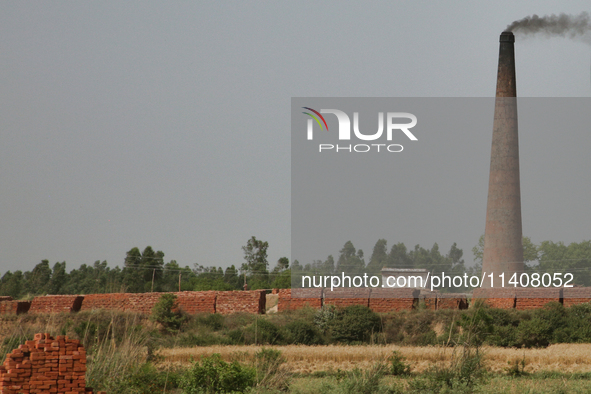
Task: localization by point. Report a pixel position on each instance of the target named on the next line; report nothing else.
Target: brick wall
(535, 298)
(495, 298)
(301, 298)
(252, 301)
(452, 301)
(387, 300)
(45, 365)
(344, 297)
(109, 301)
(193, 302)
(574, 295)
(14, 307)
(378, 299)
(56, 303)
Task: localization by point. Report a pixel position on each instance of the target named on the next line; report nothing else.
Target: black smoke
(563, 25)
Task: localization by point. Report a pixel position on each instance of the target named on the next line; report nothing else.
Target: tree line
(146, 271)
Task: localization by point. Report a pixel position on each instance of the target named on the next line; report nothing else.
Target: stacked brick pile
(495, 297)
(291, 299)
(452, 301)
(535, 298)
(5, 298)
(344, 297)
(193, 302)
(45, 365)
(253, 301)
(56, 303)
(109, 301)
(142, 302)
(386, 300)
(14, 307)
(574, 295)
(189, 301)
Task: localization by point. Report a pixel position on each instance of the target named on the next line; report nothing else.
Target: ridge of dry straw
(306, 359)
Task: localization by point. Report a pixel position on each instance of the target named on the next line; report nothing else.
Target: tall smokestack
(503, 249)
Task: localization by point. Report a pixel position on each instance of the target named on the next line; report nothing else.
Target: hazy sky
(167, 124)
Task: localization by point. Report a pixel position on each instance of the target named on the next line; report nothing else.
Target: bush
(166, 313)
(148, 380)
(303, 333)
(361, 382)
(213, 321)
(262, 332)
(352, 324)
(213, 375)
(268, 363)
(397, 364)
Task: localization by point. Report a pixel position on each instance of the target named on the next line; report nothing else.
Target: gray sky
(167, 124)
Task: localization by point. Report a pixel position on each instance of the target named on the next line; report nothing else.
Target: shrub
(213, 375)
(361, 382)
(397, 364)
(148, 380)
(355, 323)
(166, 313)
(303, 333)
(213, 321)
(268, 364)
(262, 332)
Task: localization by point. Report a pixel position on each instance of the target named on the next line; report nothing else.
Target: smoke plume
(571, 26)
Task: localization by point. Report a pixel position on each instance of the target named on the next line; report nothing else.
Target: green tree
(559, 258)
(141, 269)
(255, 254)
(379, 257)
(167, 313)
(59, 279)
(11, 284)
(350, 261)
(36, 281)
(398, 257)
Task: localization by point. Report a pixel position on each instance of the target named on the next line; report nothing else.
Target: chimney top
(507, 36)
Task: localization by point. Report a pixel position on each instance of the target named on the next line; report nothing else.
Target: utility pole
(153, 275)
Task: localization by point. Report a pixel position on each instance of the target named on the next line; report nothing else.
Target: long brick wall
(56, 303)
(191, 302)
(225, 302)
(45, 365)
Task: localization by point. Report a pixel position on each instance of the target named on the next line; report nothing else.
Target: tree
(378, 258)
(37, 280)
(143, 268)
(350, 260)
(559, 258)
(167, 313)
(11, 284)
(398, 257)
(255, 254)
(282, 264)
(59, 279)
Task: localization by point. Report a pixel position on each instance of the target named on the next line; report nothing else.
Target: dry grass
(306, 359)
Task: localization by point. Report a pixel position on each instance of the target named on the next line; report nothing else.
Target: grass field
(564, 358)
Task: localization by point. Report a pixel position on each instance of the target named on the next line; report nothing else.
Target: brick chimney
(503, 249)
